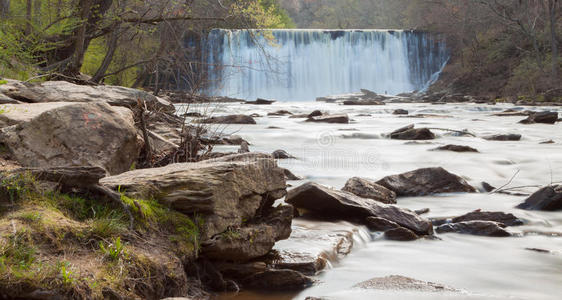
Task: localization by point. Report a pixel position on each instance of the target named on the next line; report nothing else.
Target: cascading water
(300, 65)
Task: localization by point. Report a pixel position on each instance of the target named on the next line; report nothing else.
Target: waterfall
(300, 65)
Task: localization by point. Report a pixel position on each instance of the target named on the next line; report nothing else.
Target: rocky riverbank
(100, 199)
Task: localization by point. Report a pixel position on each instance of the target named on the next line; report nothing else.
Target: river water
(482, 267)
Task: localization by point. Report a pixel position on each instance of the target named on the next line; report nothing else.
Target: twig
(508, 183)
(452, 130)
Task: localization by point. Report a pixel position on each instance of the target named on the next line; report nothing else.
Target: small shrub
(114, 250)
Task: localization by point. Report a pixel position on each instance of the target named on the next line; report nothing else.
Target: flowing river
(481, 267)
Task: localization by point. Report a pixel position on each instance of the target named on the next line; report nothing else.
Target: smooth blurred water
(300, 65)
(483, 267)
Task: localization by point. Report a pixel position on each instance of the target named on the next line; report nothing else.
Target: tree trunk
(552, 11)
(4, 8)
(28, 11)
(111, 48)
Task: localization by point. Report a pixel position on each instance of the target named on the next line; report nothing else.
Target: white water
(484, 267)
(300, 65)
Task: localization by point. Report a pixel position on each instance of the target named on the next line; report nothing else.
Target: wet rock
(280, 113)
(368, 189)
(363, 102)
(255, 115)
(231, 119)
(312, 244)
(455, 148)
(339, 119)
(411, 133)
(503, 137)
(327, 202)
(426, 181)
(315, 113)
(56, 91)
(281, 154)
(400, 234)
(400, 112)
(500, 217)
(484, 228)
(244, 147)
(541, 117)
(279, 218)
(380, 224)
(260, 101)
(277, 280)
(513, 112)
(422, 211)
(401, 283)
(77, 134)
(226, 192)
(548, 198)
(192, 115)
(547, 142)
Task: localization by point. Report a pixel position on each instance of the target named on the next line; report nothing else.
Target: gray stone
(425, 181)
(369, 189)
(548, 198)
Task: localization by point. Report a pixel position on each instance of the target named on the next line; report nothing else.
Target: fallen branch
(508, 183)
(452, 130)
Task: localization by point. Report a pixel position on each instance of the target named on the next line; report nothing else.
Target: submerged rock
(400, 234)
(77, 134)
(500, 217)
(231, 119)
(369, 189)
(541, 117)
(548, 198)
(226, 192)
(425, 181)
(280, 113)
(327, 202)
(485, 228)
(339, 119)
(401, 283)
(277, 280)
(503, 137)
(400, 112)
(455, 148)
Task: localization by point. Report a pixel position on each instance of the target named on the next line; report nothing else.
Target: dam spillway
(300, 65)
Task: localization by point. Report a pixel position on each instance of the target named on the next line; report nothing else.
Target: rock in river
(548, 198)
(277, 280)
(340, 119)
(230, 119)
(411, 133)
(400, 234)
(546, 117)
(485, 228)
(401, 283)
(425, 181)
(327, 202)
(281, 154)
(455, 148)
(503, 137)
(368, 189)
(76, 134)
(400, 112)
(496, 216)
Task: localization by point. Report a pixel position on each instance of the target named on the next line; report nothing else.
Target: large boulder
(425, 181)
(56, 91)
(411, 133)
(240, 245)
(339, 119)
(230, 119)
(496, 216)
(76, 134)
(546, 117)
(226, 192)
(485, 228)
(548, 198)
(368, 189)
(327, 202)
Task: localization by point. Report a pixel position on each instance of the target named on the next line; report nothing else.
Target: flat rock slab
(339, 119)
(402, 283)
(56, 91)
(503, 137)
(484, 228)
(455, 148)
(313, 244)
(227, 191)
(496, 216)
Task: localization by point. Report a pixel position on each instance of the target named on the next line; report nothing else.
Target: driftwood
(81, 177)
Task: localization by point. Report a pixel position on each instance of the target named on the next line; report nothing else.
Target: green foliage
(18, 251)
(114, 250)
(230, 234)
(65, 269)
(30, 217)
